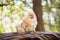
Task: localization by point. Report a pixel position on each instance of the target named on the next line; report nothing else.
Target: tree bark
(30, 36)
(37, 7)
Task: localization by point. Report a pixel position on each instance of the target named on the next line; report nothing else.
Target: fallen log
(30, 36)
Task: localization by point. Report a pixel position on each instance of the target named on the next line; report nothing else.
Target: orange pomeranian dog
(29, 23)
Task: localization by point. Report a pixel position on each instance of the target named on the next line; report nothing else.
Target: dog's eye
(32, 17)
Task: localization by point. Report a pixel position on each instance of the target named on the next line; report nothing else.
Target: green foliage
(8, 11)
(0, 1)
(1, 29)
(57, 19)
(56, 14)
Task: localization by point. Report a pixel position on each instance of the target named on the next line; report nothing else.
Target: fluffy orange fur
(29, 23)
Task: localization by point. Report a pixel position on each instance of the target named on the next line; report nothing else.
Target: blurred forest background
(12, 13)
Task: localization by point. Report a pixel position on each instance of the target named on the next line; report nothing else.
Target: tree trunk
(37, 7)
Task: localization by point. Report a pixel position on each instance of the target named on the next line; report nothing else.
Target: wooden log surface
(30, 36)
